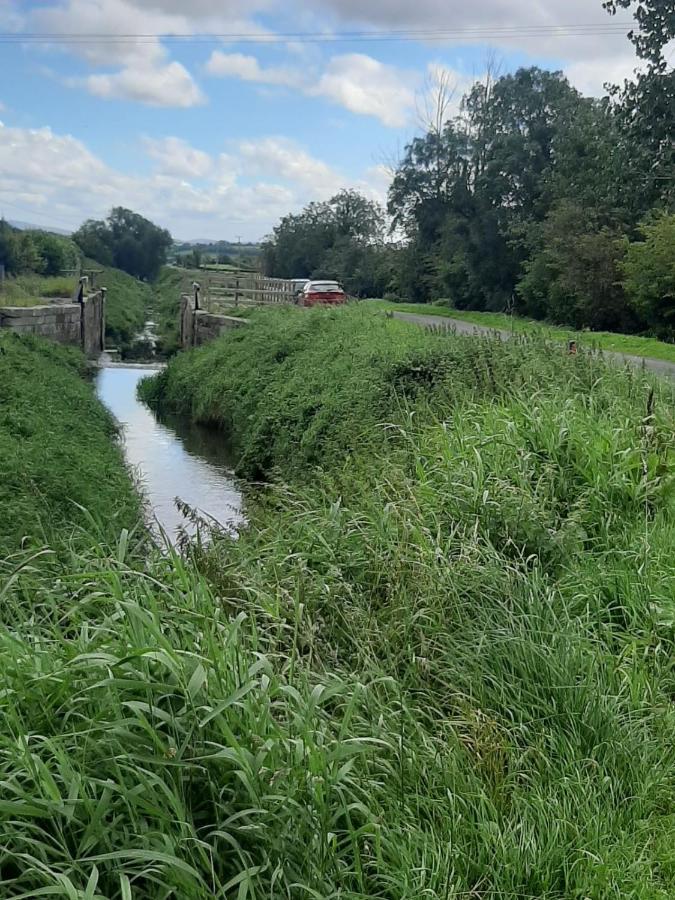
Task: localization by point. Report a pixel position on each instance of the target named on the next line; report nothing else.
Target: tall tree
(656, 27)
(125, 240)
(338, 238)
(647, 103)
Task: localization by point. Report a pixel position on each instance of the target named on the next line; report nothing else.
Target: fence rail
(244, 288)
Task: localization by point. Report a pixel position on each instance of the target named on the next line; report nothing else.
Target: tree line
(41, 252)
(532, 198)
(124, 240)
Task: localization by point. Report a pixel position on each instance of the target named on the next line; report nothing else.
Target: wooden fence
(223, 289)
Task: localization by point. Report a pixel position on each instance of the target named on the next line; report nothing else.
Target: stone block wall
(200, 327)
(80, 325)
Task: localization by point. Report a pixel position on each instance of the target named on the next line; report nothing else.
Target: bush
(649, 275)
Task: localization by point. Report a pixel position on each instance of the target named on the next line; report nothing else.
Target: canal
(172, 458)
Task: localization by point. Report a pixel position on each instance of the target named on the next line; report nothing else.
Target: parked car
(320, 292)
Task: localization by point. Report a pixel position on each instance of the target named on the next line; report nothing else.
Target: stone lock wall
(78, 324)
(197, 326)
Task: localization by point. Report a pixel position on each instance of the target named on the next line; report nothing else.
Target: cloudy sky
(216, 117)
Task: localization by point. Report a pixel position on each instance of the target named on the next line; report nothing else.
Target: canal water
(172, 457)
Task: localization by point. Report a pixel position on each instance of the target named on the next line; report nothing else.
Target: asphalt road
(659, 366)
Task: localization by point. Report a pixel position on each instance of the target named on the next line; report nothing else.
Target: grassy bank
(127, 308)
(629, 344)
(439, 665)
(492, 570)
(57, 457)
(167, 291)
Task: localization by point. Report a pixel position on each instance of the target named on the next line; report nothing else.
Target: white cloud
(55, 179)
(155, 85)
(176, 157)
(357, 82)
(146, 73)
(591, 76)
(247, 68)
(284, 159)
(368, 87)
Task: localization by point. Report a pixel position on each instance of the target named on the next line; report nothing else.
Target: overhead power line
(481, 33)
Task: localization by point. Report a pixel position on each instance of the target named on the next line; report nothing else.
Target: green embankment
(439, 666)
(491, 566)
(56, 453)
(127, 308)
(171, 284)
(629, 344)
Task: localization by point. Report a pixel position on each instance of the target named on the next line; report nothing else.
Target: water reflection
(172, 457)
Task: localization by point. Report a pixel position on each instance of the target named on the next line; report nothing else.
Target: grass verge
(630, 345)
(57, 456)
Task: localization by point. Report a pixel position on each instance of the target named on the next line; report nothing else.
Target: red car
(322, 292)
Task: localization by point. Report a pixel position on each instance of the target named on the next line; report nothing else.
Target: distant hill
(209, 242)
(28, 226)
(217, 249)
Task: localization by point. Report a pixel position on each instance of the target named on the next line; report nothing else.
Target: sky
(214, 118)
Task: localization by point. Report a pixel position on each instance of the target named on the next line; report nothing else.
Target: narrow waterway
(172, 458)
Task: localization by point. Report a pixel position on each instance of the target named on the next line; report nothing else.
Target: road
(659, 366)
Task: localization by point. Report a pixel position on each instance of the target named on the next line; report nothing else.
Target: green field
(631, 345)
(438, 662)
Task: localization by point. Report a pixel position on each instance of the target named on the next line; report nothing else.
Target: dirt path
(660, 366)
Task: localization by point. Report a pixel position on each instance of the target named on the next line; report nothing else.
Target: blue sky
(155, 105)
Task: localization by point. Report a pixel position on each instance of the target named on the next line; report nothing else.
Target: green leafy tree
(127, 241)
(56, 253)
(599, 166)
(18, 251)
(434, 168)
(573, 277)
(463, 191)
(95, 241)
(647, 103)
(522, 119)
(649, 275)
(655, 26)
(341, 238)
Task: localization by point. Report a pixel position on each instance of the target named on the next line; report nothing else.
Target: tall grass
(31, 290)
(439, 665)
(57, 457)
